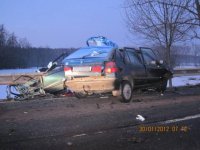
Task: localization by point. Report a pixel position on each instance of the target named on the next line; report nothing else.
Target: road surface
(103, 122)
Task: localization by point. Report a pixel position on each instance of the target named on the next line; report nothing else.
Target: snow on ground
(188, 65)
(3, 92)
(176, 81)
(185, 81)
(13, 71)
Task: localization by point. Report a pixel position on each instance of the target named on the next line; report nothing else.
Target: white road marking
(99, 132)
(79, 135)
(181, 119)
(161, 122)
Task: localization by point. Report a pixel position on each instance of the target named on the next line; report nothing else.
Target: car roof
(133, 48)
(88, 47)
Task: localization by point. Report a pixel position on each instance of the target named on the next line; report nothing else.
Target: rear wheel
(127, 92)
(80, 95)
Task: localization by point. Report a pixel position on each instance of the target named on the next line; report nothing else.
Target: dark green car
(104, 69)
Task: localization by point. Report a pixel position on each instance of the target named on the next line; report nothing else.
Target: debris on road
(136, 140)
(137, 100)
(98, 106)
(104, 97)
(69, 143)
(141, 118)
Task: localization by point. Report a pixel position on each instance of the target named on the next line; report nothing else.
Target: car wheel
(127, 92)
(80, 95)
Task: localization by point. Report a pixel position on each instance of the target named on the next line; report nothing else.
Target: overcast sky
(65, 23)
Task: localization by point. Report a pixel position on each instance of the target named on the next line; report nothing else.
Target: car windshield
(88, 55)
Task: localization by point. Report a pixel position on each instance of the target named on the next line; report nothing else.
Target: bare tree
(12, 41)
(24, 43)
(3, 36)
(159, 22)
(197, 3)
(193, 8)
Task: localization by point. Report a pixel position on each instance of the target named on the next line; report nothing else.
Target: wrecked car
(101, 67)
(49, 79)
(104, 67)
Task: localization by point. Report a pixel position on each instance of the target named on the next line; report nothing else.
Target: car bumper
(98, 84)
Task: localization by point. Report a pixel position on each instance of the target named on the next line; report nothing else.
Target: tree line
(181, 55)
(10, 39)
(12, 57)
(18, 53)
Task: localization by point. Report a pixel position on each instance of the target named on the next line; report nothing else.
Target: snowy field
(13, 71)
(176, 81)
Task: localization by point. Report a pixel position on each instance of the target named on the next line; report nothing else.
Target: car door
(54, 80)
(154, 69)
(135, 66)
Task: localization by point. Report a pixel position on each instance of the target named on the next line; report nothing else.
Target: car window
(134, 57)
(148, 55)
(88, 55)
(120, 54)
(90, 52)
(60, 58)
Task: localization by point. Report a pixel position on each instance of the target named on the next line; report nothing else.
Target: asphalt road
(171, 122)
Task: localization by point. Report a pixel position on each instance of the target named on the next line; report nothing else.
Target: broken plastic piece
(100, 41)
(141, 118)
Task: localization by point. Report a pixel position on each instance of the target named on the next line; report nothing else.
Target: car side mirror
(50, 64)
(161, 62)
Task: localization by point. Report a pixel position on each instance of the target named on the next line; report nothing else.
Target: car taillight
(110, 67)
(96, 69)
(67, 69)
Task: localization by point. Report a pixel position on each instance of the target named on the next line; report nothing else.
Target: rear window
(88, 55)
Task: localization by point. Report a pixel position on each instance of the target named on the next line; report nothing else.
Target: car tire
(80, 95)
(126, 92)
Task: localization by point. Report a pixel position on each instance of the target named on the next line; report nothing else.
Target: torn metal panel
(23, 86)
